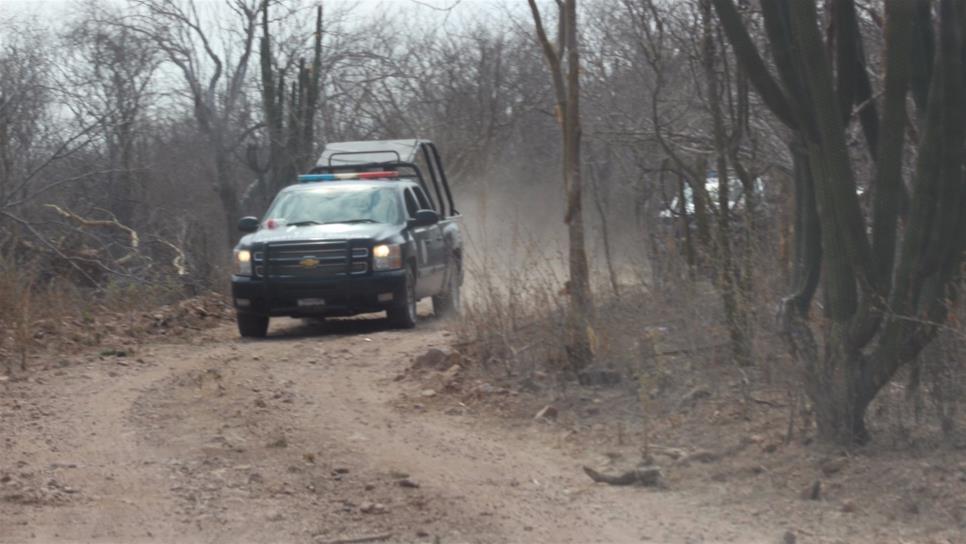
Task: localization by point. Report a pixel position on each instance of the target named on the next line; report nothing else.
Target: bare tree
(38, 140)
(214, 75)
(728, 277)
(563, 60)
(25, 99)
(697, 114)
(109, 79)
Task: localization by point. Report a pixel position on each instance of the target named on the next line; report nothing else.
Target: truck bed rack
(401, 156)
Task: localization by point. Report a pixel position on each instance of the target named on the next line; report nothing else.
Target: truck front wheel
(252, 325)
(403, 315)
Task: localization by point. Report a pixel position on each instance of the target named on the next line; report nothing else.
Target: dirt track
(302, 438)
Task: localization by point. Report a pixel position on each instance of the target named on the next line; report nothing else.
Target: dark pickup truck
(371, 228)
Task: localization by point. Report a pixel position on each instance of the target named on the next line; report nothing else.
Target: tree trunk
(124, 198)
(702, 217)
(735, 311)
(686, 226)
(580, 345)
(604, 230)
(227, 191)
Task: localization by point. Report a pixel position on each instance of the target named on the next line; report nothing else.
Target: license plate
(308, 302)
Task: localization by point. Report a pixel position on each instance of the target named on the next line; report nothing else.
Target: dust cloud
(516, 230)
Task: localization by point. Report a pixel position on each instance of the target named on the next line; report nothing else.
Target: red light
(271, 224)
(378, 175)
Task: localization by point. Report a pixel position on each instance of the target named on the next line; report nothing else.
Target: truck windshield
(325, 205)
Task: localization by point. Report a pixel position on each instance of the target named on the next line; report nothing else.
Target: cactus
(289, 116)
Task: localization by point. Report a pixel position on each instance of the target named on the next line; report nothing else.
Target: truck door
(422, 236)
(435, 248)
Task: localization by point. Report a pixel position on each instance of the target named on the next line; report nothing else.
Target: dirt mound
(193, 314)
(104, 327)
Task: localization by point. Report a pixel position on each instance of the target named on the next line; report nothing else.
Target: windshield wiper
(304, 223)
(349, 221)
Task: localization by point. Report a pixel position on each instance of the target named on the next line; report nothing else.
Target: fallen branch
(687, 351)
(179, 258)
(643, 475)
(360, 539)
(766, 402)
(113, 222)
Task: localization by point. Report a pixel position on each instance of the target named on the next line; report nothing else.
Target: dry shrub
(124, 296)
(662, 333)
(16, 315)
(944, 367)
(516, 303)
(925, 400)
(38, 308)
(667, 334)
(514, 315)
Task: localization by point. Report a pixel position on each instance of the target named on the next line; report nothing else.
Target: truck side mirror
(424, 218)
(248, 224)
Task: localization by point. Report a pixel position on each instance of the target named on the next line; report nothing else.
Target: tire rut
(299, 438)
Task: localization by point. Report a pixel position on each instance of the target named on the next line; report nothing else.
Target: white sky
(450, 13)
(47, 7)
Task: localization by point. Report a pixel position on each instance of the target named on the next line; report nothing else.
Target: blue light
(307, 178)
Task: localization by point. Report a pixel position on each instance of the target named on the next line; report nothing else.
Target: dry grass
(16, 315)
(513, 314)
(40, 310)
(923, 406)
(666, 335)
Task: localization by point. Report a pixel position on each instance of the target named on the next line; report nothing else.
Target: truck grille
(311, 260)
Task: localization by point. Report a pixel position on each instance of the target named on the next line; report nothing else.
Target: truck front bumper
(336, 296)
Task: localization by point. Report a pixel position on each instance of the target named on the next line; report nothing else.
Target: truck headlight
(387, 257)
(243, 262)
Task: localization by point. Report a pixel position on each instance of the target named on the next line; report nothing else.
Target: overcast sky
(46, 7)
(450, 14)
(35, 5)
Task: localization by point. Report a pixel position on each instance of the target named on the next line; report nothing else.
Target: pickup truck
(372, 227)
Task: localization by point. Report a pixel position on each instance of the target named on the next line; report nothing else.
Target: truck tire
(252, 325)
(403, 316)
(448, 303)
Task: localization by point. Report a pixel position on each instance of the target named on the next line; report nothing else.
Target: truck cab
(372, 227)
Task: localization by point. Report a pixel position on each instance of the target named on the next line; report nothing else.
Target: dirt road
(303, 438)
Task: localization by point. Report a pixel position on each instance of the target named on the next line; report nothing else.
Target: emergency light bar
(308, 178)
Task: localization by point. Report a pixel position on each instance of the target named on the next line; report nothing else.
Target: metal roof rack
(398, 155)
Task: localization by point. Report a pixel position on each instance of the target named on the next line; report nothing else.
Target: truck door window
(423, 201)
(411, 206)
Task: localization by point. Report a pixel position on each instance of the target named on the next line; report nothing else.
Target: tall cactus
(289, 113)
(886, 296)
